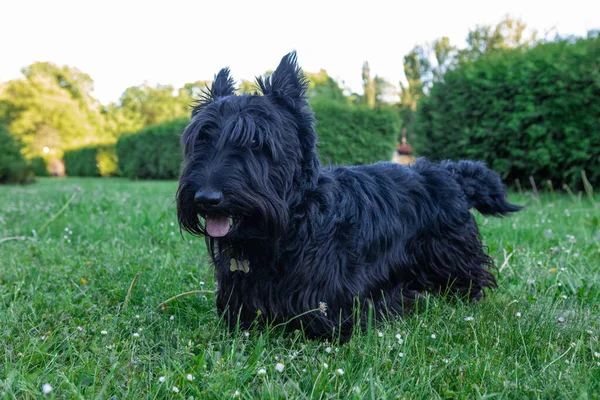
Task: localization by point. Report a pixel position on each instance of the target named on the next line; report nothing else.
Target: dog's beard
(252, 216)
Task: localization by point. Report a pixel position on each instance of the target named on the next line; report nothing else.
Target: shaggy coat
(317, 248)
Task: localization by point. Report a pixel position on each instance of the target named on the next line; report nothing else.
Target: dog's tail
(482, 186)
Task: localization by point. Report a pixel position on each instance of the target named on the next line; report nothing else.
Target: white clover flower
(172, 317)
(279, 367)
(446, 360)
(433, 336)
(327, 349)
(518, 314)
(137, 316)
(469, 318)
(561, 319)
(104, 332)
(46, 388)
(175, 389)
(161, 379)
(261, 371)
(136, 335)
(400, 354)
(596, 354)
(325, 365)
(236, 393)
(380, 334)
(339, 372)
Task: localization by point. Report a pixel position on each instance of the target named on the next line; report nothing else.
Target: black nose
(208, 198)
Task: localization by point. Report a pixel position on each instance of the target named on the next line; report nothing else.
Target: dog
(323, 249)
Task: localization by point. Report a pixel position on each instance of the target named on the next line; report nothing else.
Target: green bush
(352, 135)
(152, 153)
(525, 112)
(39, 165)
(97, 160)
(13, 167)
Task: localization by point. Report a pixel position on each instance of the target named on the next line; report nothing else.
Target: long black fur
(353, 238)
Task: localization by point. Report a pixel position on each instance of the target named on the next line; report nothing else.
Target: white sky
(124, 43)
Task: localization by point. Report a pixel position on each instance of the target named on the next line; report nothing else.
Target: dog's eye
(255, 143)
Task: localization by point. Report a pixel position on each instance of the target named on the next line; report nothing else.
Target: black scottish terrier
(322, 248)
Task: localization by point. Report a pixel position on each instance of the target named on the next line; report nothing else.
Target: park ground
(72, 325)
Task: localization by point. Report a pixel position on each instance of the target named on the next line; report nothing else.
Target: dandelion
(279, 367)
(433, 336)
(327, 349)
(136, 335)
(175, 389)
(83, 281)
(104, 332)
(518, 314)
(469, 318)
(339, 372)
(262, 371)
(161, 379)
(548, 233)
(323, 308)
(46, 388)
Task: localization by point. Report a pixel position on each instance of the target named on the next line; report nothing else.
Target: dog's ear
(222, 86)
(287, 83)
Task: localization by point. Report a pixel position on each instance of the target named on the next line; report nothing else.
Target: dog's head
(247, 157)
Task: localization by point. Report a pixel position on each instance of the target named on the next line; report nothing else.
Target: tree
(51, 107)
(323, 87)
(509, 33)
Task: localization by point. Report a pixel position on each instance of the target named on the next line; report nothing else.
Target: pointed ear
(287, 83)
(222, 86)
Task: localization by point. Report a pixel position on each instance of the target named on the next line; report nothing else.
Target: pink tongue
(217, 226)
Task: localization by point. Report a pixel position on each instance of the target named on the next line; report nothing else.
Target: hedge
(152, 153)
(354, 135)
(39, 165)
(524, 112)
(97, 160)
(13, 167)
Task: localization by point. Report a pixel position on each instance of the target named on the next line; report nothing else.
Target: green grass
(63, 319)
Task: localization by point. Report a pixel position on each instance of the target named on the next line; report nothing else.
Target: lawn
(69, 327)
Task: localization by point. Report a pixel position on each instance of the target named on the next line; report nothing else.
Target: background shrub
(97, 160)
(353, 135)
(525, 112)
(39, 165)
(152, 153)
(13, 167)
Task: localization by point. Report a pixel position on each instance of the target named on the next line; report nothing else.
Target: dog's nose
(208, 198)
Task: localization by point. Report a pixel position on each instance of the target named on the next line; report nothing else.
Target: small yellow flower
(88, 262)
(83, 281)
(553, 270)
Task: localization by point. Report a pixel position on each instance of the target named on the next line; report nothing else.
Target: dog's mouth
(218, 226)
